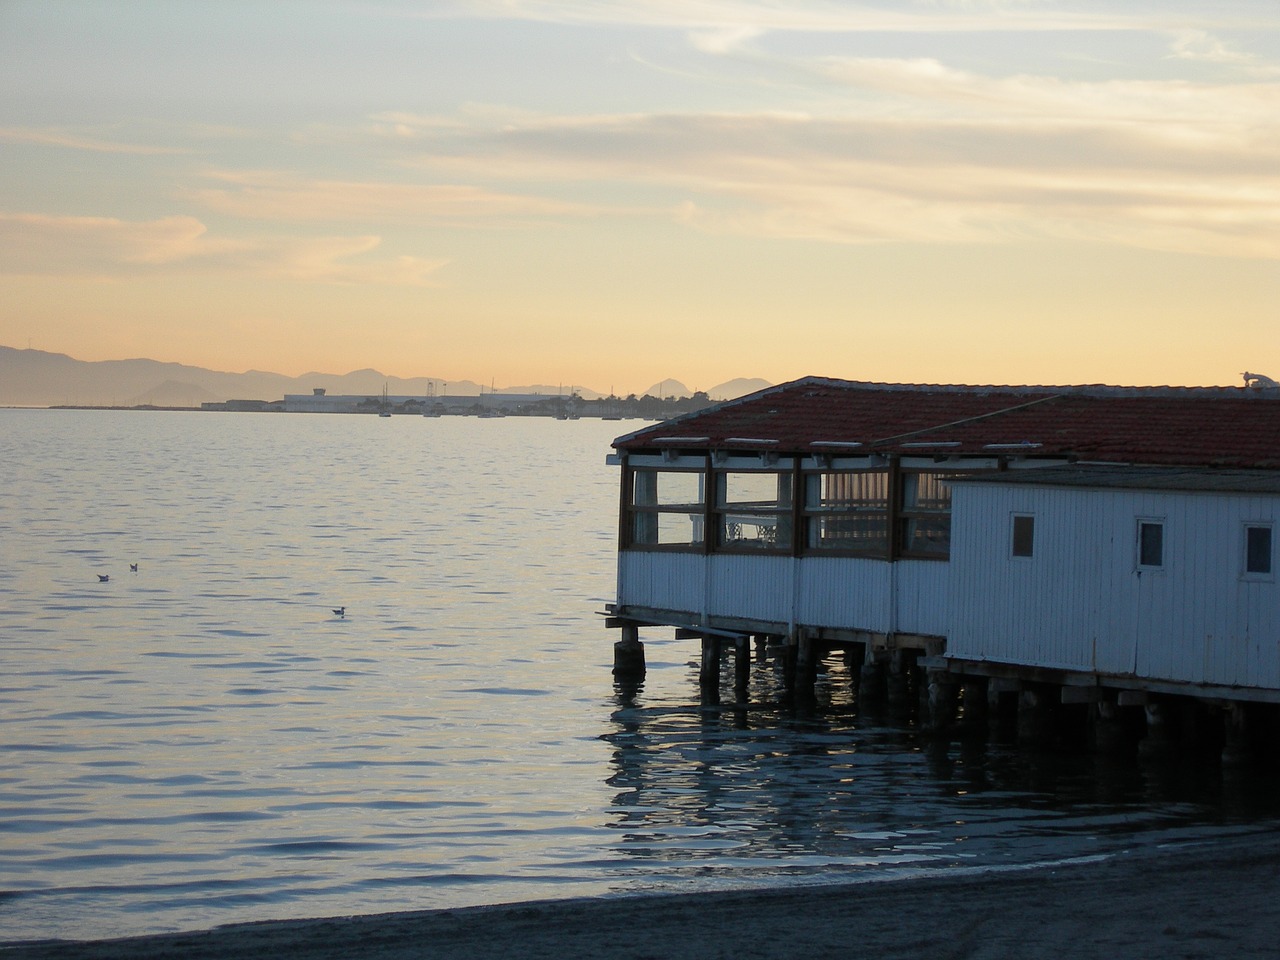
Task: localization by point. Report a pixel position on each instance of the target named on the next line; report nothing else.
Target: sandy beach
(1208, 900)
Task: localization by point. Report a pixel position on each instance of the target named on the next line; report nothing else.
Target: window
(667, 508)
(926, 515)
(848, 510)
(1150, 543)
(1024, 535)
(1257, 549)
(754, 510)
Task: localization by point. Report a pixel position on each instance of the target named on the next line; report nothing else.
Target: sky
(605, 193)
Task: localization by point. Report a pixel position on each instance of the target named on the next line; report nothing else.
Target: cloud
(822, 16)
(265, 195)
(107, 248)
(920, 150)
(1200, 46)
(71, 141)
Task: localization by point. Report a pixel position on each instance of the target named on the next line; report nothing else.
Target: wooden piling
(1110, 737)
(628, 655)
(872, 688)
(1159, 743)
(944, 698)
(1035, 719)
(741, 666)
(975, 700)
(709, 674)
(898, 681)
(806, 670)
(1235, 746)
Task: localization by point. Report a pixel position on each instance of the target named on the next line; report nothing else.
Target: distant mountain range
(34, 378)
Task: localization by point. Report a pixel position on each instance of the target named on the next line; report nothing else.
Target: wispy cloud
(721, 26)
(1127, 171)
(269, 195)
(803, 15)
(108, 248)
(1201, 46)
(73, 141)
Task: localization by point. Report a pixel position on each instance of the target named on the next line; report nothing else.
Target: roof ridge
(1079, 389)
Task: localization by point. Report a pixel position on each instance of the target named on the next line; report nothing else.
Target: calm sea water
(203, 741)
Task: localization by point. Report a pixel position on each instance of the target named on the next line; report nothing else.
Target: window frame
(693, 509)
(781, 512)
(1141, 563)
(906, 516)
(1029, 536)
(1246, 553)
(812, 513)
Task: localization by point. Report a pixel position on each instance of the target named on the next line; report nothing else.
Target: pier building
(1106, 552)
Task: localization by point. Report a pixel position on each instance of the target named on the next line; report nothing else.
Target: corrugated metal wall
(838, 592)
(667, 581)
(1082, 602)
(844, 592)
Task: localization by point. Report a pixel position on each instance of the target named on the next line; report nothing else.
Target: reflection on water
(765, 794)
(203, 741)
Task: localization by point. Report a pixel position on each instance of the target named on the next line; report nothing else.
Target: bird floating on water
(340, 611)
(133, 567)
(103, 578)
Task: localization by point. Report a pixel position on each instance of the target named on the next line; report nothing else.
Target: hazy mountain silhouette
(728, 390)
(39, 379)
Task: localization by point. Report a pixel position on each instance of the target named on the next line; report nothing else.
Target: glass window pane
(644, 528)
(864, 532)
(1151, 544)
(861, 490)
(665, 488)
(755, 530)
(928, 535)
(1024, 529)
(668, 529)
(765, 490)
(1258, 549)
(926, 491)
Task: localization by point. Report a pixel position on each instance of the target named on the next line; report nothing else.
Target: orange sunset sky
(609, 193)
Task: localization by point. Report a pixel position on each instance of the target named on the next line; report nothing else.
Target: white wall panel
(850, 593)
(921, 592)
(1082, 603)
(757, 588)
(667, 581)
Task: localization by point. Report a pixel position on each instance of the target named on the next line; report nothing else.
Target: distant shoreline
(1204, 899)
(589, 410)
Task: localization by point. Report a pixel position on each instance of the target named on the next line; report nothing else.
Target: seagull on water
(340, 611)
(103, 578)
(133, 567)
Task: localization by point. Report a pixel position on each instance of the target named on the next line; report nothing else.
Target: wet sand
(1207, 900)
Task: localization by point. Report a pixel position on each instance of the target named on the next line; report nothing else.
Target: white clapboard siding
(1081, 602)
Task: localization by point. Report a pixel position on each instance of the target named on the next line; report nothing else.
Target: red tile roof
(1188, 426)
